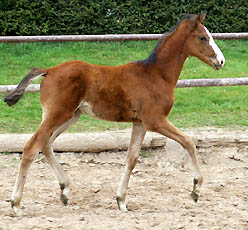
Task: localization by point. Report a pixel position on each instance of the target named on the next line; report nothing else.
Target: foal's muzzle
(217, 64)
(217, 67)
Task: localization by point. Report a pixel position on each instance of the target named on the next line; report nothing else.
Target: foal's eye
(202, 38)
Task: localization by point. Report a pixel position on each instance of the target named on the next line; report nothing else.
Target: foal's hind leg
(40, 141)
(33, 146)
(138, 134)
(165, 128)
(62, 177)
(48, 152)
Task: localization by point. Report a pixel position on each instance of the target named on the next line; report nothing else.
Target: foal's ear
(201, 17)
(196, 20)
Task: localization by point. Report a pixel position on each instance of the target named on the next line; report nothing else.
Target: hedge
(61, 17)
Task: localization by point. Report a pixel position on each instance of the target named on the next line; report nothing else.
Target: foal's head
(201, 43)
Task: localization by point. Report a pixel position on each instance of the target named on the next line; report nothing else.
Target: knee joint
(132, 161)
(188, 143)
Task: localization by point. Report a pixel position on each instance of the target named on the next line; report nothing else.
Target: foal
(140, 92)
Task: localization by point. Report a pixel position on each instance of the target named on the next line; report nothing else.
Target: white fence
(108, 37)
(181, 84)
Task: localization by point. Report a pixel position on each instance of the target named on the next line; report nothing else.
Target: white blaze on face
(219, 56)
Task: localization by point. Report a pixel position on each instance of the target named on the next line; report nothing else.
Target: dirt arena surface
(158, 195)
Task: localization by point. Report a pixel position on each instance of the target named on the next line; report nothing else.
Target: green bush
(57, 17)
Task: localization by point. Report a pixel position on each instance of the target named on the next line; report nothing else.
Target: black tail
(17, 94)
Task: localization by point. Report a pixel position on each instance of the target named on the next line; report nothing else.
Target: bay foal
(140, 92)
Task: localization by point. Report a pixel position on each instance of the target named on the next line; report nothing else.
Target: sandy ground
(158, 195)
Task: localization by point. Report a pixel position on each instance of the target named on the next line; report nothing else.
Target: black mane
(152, 58)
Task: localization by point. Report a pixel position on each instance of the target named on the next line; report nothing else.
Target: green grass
(194, 107)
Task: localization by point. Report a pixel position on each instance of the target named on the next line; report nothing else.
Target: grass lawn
(194, 107)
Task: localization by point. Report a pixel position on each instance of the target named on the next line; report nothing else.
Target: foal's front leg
(138, 134)
(167, 129)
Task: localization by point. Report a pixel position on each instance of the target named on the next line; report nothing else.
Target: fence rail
(109, 37)
(181, 84)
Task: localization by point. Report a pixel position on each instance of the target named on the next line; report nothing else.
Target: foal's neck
(171, 57)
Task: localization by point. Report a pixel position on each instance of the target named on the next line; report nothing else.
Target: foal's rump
(57, 73)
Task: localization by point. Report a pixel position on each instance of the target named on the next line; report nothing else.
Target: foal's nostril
(222, 62)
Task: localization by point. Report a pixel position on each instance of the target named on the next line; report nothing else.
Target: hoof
(196, 190)
(195, 196)
(16, 211)
(121, 205)
(64, 199)
(65, 192)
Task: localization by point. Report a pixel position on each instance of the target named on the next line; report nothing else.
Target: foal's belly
(110, 112)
